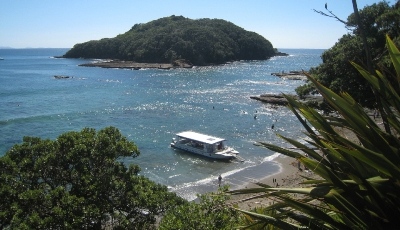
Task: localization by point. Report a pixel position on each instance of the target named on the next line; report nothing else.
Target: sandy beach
(288, 176)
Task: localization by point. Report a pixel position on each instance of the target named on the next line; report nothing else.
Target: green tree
(78, 181)
(202, 42)
(337, 73)
(209, 212)
(359, 183)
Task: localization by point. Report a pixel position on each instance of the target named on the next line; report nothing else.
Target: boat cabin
(200, 141)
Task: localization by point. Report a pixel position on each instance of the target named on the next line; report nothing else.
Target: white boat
(204, 145)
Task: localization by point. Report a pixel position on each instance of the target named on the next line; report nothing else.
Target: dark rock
(61, 77)
(280, 100)
(281, 54)
(274, 99)
(137, 66)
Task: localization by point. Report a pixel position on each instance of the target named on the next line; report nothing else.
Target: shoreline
(289, 175)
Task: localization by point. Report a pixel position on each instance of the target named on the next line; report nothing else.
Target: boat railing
(193, 144)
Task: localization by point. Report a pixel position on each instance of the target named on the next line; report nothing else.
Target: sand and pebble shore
(290, 175)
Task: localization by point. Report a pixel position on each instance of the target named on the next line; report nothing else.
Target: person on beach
(219, 180)
(305, 167)
(299, 165)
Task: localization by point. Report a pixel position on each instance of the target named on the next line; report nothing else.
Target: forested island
(176, 39)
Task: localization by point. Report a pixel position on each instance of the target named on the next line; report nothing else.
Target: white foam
(272, 157)
(212, 178)
(174, 175)
(191, 184)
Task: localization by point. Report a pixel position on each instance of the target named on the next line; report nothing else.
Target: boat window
(210, 148)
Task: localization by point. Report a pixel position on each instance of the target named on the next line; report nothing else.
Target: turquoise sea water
(149, 106)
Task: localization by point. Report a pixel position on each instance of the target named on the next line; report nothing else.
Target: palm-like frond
(359, 183)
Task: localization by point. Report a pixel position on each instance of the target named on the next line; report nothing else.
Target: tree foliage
(359, 183)
(202, 42)
(210, 212)
(78, 181)
(337, 73)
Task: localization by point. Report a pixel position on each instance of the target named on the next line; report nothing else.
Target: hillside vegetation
(202, 42)
(336, 71)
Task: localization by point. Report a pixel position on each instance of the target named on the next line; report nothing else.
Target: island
(176, 42)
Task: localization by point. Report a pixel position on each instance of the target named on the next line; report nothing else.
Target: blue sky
(63, 23)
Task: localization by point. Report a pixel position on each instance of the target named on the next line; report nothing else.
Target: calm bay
(150, 105)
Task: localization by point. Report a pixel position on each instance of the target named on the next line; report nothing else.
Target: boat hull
(223, 155)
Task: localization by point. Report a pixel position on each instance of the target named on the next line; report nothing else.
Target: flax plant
(359, 185)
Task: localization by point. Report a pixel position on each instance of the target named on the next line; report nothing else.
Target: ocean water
(150, 105)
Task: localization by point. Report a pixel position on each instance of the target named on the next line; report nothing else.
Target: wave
(189, 190)
(28, 119)
(272, 157)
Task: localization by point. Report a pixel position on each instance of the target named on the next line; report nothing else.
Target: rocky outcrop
(281, 54)
(280, 100)
(61, 77)
(136, 66)
(271, 99)
(291, 75)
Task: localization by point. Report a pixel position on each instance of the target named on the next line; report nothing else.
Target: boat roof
(200, 137)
